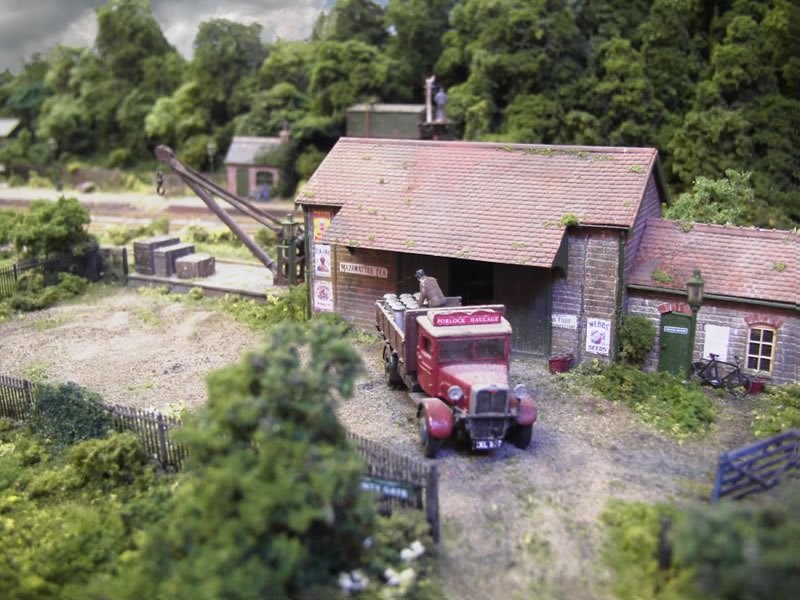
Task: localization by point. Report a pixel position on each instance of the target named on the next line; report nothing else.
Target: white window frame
(762, 327)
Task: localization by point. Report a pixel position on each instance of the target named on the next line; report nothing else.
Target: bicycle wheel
(738, 384)
(696, 369)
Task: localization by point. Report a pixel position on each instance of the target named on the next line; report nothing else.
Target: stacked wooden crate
(144, 252)
(165, 257)
(194, 265)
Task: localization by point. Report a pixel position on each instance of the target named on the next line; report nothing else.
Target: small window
(761, 348)
(263, 177)
(426, 344)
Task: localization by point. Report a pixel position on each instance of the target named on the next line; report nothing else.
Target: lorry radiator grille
(484, 429)
(488, 402)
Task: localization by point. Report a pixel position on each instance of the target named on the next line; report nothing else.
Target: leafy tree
(52, 227)
(721, 201)
(270, 109)
(127, 35)
(271, 504)
(416, 40)
(345, 72)
(28, 91)
(225, 55)
(356, 20)
(287, 62)
(175, 118)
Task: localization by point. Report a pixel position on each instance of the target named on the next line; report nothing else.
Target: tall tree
(127, 34)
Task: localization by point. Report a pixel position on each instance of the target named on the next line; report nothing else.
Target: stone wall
(733, 316)
(588, 292)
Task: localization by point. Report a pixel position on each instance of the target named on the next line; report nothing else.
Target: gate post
(162, 440)
(432, 502)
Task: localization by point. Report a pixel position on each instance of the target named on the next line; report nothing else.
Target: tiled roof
(7, 126)
(244, 150)
(388, 108)
(741, 262)
(483, 201)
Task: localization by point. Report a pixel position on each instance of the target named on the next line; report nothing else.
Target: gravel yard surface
(515, 523)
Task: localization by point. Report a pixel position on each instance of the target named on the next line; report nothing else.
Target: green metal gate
(675, 351)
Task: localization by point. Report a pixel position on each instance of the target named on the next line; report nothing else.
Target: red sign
(481, 317)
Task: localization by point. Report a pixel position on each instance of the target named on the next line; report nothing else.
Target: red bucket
(757, 386)
(561, 364)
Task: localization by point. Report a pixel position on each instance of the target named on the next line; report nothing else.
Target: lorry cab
(468, 351)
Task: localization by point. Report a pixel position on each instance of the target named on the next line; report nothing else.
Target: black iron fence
(48, 268)
(757, 467)
(396, 480)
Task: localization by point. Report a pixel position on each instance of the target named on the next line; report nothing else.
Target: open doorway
(472, 280)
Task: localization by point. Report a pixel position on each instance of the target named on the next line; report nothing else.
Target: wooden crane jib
(290, 266)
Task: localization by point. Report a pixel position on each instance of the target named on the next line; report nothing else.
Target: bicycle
(734, 382)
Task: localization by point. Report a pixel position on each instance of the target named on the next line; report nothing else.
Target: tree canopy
(712, 85)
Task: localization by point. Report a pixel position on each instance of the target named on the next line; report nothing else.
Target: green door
(242, 182)
(675, 350)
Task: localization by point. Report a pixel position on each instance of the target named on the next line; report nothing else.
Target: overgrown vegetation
(636, 337)
(31, 294)
(778, 410)
(727, 551)
(658, 398)
(49, 228)
(66, 414)
(121, 235)
(270, 504)
(712, 85)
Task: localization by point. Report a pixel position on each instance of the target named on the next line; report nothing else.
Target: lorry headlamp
(520, 390)
(455, 393)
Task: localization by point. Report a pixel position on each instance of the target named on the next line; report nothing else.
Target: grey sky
(37, 25)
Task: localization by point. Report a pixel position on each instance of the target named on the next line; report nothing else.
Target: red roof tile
(740, 262)
(482, 201)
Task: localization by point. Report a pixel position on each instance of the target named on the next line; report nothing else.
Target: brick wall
(355, 294)
(588, 291)
(731, 315)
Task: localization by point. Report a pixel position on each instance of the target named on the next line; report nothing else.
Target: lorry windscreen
(464, 350)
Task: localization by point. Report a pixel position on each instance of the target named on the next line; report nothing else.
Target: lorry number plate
(486, 444)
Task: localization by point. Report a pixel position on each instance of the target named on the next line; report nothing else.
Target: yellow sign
(322, 221)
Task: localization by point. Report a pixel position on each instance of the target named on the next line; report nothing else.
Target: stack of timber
(165, 257)
(144, 252)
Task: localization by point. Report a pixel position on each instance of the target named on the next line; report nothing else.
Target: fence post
(124, 264)
(16, 275)
(432, 502)
(28, 395)
(162, 440)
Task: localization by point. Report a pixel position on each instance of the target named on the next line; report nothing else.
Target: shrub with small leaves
(636, 337)
(65, 414)
(778, 410)
(116, 460)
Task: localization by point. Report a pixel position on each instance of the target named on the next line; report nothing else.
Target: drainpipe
(620, 293)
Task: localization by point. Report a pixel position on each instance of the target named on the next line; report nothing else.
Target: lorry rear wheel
(430, 444)
(390, 366)
(521, 436)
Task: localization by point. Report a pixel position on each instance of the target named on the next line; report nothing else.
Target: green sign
(385, 487)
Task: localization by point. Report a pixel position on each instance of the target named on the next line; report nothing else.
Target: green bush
(52, 228)
(8, 221)
(659, 398)
(271, 504)
(266, 238)
(31, 294)
(636, 337)
(290, 306)
(742, 549)
(778, 410)
(631, 552)
(66, 414)
(116, 460)
(71, 285)
(121, 235)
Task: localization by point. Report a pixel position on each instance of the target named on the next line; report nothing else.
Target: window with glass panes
(761, 348)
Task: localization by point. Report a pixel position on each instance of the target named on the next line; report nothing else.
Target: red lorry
(454, 362)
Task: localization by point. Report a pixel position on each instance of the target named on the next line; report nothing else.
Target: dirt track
(516, 524)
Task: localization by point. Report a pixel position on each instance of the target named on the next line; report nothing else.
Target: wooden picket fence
(396, 480)
(400, 481)
(758, 467)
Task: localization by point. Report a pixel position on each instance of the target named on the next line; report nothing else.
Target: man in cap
(429, 290)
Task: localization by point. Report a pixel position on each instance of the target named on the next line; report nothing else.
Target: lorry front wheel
(430, 444)
(521, 436)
